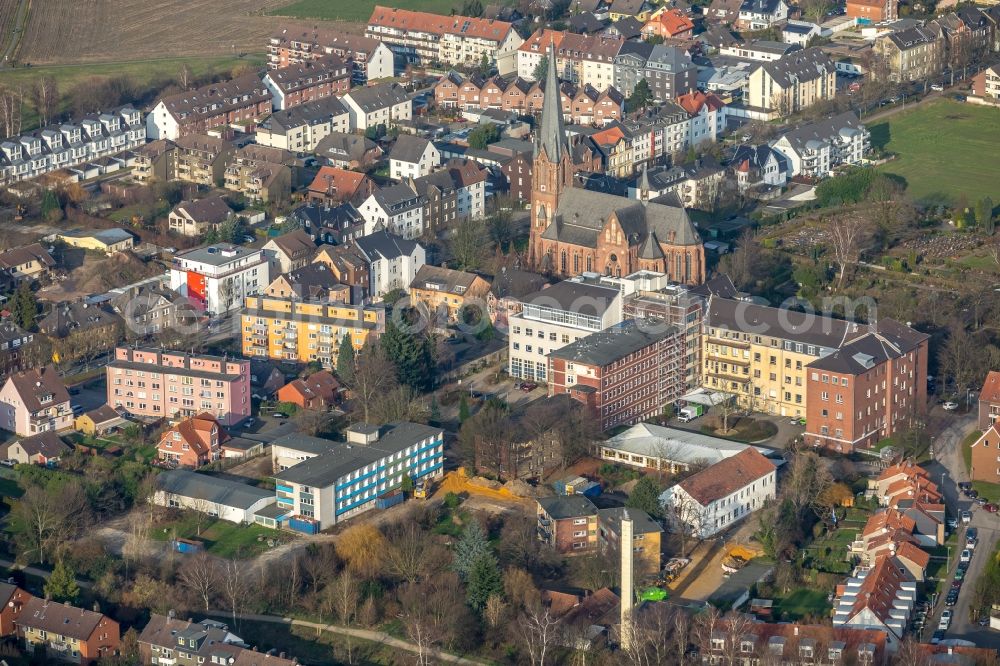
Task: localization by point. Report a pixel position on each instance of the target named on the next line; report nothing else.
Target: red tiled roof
(913, 553)
(727, 476)
(879, 588)
(991, 387)
(890, 519)
(611, 135)
(197, 432)
(907, 467)
(539, 41)
(867, 3)
(694, 101)
(673, 21)
(331, 179)
(437, 24)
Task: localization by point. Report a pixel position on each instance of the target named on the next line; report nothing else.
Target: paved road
(948, 469)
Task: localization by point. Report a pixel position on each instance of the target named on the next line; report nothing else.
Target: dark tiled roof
(46, 444)
(210, 210)
(310, 113)
(21, 255)
(409, 148)
(378, 97)
(59, 619)
(605, 347)
(385, 245)
(562, 507)
(32, 385)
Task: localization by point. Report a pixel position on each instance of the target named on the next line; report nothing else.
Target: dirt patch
(96, 274)
(107, 30)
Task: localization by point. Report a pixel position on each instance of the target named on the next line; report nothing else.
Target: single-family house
(334, 186)
(12, 600)
(758, 167)
(317, 391)
(194, 218)
(29, 262)
(99, 421)
(348, 151)
(385, 104)
(816, 149)
(193, 442)
(42, 449)
(445, 291)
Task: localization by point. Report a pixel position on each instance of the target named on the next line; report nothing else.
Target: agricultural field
(134, 30)
(945, 149)
(358, 11)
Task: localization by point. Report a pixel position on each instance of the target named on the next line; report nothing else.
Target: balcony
(717, 358)
(726, 342)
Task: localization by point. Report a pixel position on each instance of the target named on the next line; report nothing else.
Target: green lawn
(359, 11)
(144, 73)
(945, 148)
(221, 537)
(803, 602)
(991, 491)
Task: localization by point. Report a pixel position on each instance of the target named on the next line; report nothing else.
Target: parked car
(278, 415)
(952, 523)
(966, 556)
(937, 87)
(9, 462)
(949, 406)
(981, 501)
(528, 387)
(945, 620)
(972, 533)
(984, 618)
(966, 517)
(964, 485)
(970, 542)
(990, 508)
(972, 494)
(936, 638)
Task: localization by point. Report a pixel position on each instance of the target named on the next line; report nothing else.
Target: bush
(451, 500)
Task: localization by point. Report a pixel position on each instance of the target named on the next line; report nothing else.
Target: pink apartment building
(155, 382)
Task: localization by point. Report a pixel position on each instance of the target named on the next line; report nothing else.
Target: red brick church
(575, 230)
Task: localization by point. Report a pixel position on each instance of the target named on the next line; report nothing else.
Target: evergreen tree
(412, 356)
(640, 98)
(984, 214)
(646, 496)
(463, 409)
(540, 68)
(50, 209)
(407, 485)
(484, 581)
(25, 307)
(61, 585)
(471, 547)
(345, 359)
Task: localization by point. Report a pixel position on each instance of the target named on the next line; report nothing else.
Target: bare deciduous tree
(185, 77)
(51, 518)
(373, 375)
(11, 111)
(342, 596)
(235, 585)
(405, 557)
(539, 631)
(200, 576)
(846, 232)
(45, 98)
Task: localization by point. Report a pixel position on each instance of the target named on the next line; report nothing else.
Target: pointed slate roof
(552, 134)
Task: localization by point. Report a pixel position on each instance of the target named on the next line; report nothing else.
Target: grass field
(145, 74)
(803, 602)
(967, 443)
(945, 148)
(359, 11)
(221, 537)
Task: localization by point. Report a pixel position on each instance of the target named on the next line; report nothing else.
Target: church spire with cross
(551, 133)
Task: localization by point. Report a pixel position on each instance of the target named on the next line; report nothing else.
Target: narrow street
(948, 470)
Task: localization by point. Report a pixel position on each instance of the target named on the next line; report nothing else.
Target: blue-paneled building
(337, 480)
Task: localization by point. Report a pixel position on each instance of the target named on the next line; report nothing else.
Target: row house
(307, 82)
(425, 38)
(238, 100)
(791, 83)
(289, 329)
(369, 58)
(166, 384)
(908, 488)
(580, 59)
(301, 128)
(336, 186)
(349, 267)
(788, 644)
(70, 144)
(583, 105)
(348, 151)
(201, 159)
(880, 597)
(168, 640)
(455, 192)
(61, 632)
(658, 133)
(968, 34)
(816, 149)
(13, 343)
(194, 218)
(624, 374)
(892, 532)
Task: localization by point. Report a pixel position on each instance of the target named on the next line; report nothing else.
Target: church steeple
(644, 184)
(552, 134)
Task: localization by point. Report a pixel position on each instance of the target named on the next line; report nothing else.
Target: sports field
(359, 11)
(945, 148)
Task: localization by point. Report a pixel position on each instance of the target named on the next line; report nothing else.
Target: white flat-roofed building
(651, 446)
(218, 277)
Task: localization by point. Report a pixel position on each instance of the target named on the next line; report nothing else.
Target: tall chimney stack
(627, 583)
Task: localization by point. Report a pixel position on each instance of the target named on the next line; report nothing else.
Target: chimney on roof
(795, 630)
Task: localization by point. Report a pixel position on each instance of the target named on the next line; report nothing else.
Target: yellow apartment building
(760, 354)
(292, 330)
